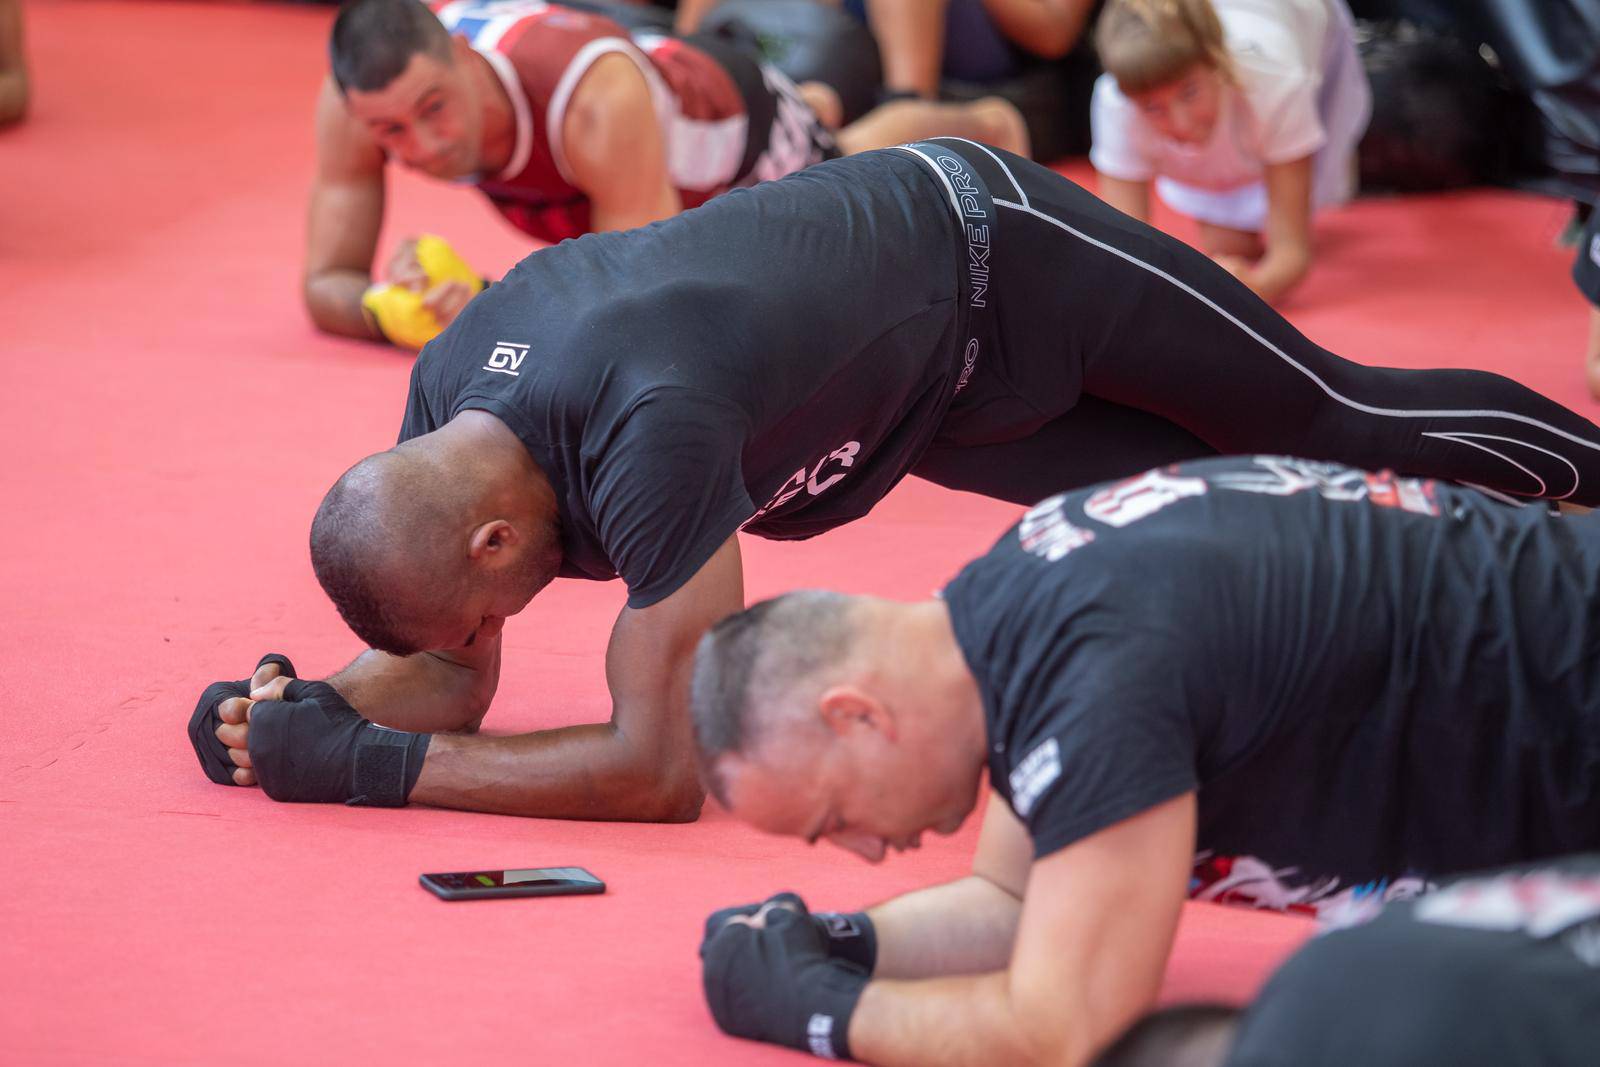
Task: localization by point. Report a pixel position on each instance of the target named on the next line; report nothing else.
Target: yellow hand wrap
(399, 312)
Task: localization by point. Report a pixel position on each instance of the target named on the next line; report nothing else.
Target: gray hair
(749, 665)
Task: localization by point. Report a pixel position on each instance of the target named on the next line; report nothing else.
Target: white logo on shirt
(1046, 533)
(1037, 772)
(1594, 249)
(1139, 498)
(813, 482)
(506, 358)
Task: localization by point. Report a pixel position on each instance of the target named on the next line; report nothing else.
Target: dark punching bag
(808, 41)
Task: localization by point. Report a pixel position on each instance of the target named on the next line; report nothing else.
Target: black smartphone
(527, 882)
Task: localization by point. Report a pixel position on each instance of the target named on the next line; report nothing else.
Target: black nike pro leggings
(1114, 348)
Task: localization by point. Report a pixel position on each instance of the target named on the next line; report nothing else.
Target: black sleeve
(669, 490)
(418, 418)
(1103, 731)
(1586, 269)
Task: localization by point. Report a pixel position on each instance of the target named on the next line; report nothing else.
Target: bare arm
(1047, 28)
(640, 765)
(966, 926)
(345, 215)
(1097, 924)
(910, 36)
(1130, 198)
(431, 692)
(614, 147)
(1288, 236)
(13, 64)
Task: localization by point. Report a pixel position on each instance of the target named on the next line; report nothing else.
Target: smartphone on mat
(526, 882)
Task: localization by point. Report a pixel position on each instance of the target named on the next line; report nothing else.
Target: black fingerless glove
(213, 754)
(851, 935)
(779, 984)
(313, 747)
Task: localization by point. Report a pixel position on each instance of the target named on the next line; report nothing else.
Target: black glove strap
(851, 937)
(385, 767)
(833, 1002)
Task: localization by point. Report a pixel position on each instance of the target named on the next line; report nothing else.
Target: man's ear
(491, 539)
(847, 707)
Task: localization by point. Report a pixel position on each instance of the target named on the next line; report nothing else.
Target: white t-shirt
(1271, 117)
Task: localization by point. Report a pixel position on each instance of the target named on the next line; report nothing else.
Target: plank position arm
(345, 215)
(638, 766)
(1096, 922)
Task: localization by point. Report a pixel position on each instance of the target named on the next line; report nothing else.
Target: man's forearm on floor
(962, 927)
(575, 772)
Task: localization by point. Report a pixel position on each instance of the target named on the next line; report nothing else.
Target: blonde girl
(1244, 113)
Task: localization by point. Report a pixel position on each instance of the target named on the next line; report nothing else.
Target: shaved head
(851, 718)
(760, 666)
(390, 541)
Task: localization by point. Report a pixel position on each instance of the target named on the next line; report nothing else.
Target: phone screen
(518, 881)
(526, 876)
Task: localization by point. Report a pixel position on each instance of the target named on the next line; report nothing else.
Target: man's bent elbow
(333, 304)
(671, 800)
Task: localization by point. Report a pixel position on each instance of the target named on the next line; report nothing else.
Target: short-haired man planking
(567, 123)
(1262, 679)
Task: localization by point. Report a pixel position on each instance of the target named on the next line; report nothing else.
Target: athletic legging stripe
(1555, 465)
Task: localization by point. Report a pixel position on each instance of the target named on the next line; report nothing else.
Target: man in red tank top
(566, 122)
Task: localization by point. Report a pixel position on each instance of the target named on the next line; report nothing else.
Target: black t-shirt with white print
(1371, 680)
(777, 359)
(1499, 969)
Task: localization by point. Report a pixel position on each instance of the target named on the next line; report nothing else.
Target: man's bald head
(389, 540)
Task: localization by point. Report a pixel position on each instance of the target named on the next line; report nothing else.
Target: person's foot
(1003, 125)
(266, 684)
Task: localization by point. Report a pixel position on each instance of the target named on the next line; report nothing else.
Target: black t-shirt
(777, 359)
(1370, 680)
(1495, 970)
(1586, 268)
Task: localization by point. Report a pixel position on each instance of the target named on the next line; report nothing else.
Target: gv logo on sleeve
(506, 358)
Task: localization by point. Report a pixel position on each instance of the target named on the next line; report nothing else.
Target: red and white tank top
(541, 51)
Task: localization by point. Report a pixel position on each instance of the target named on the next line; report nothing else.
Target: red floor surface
(168, 422)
